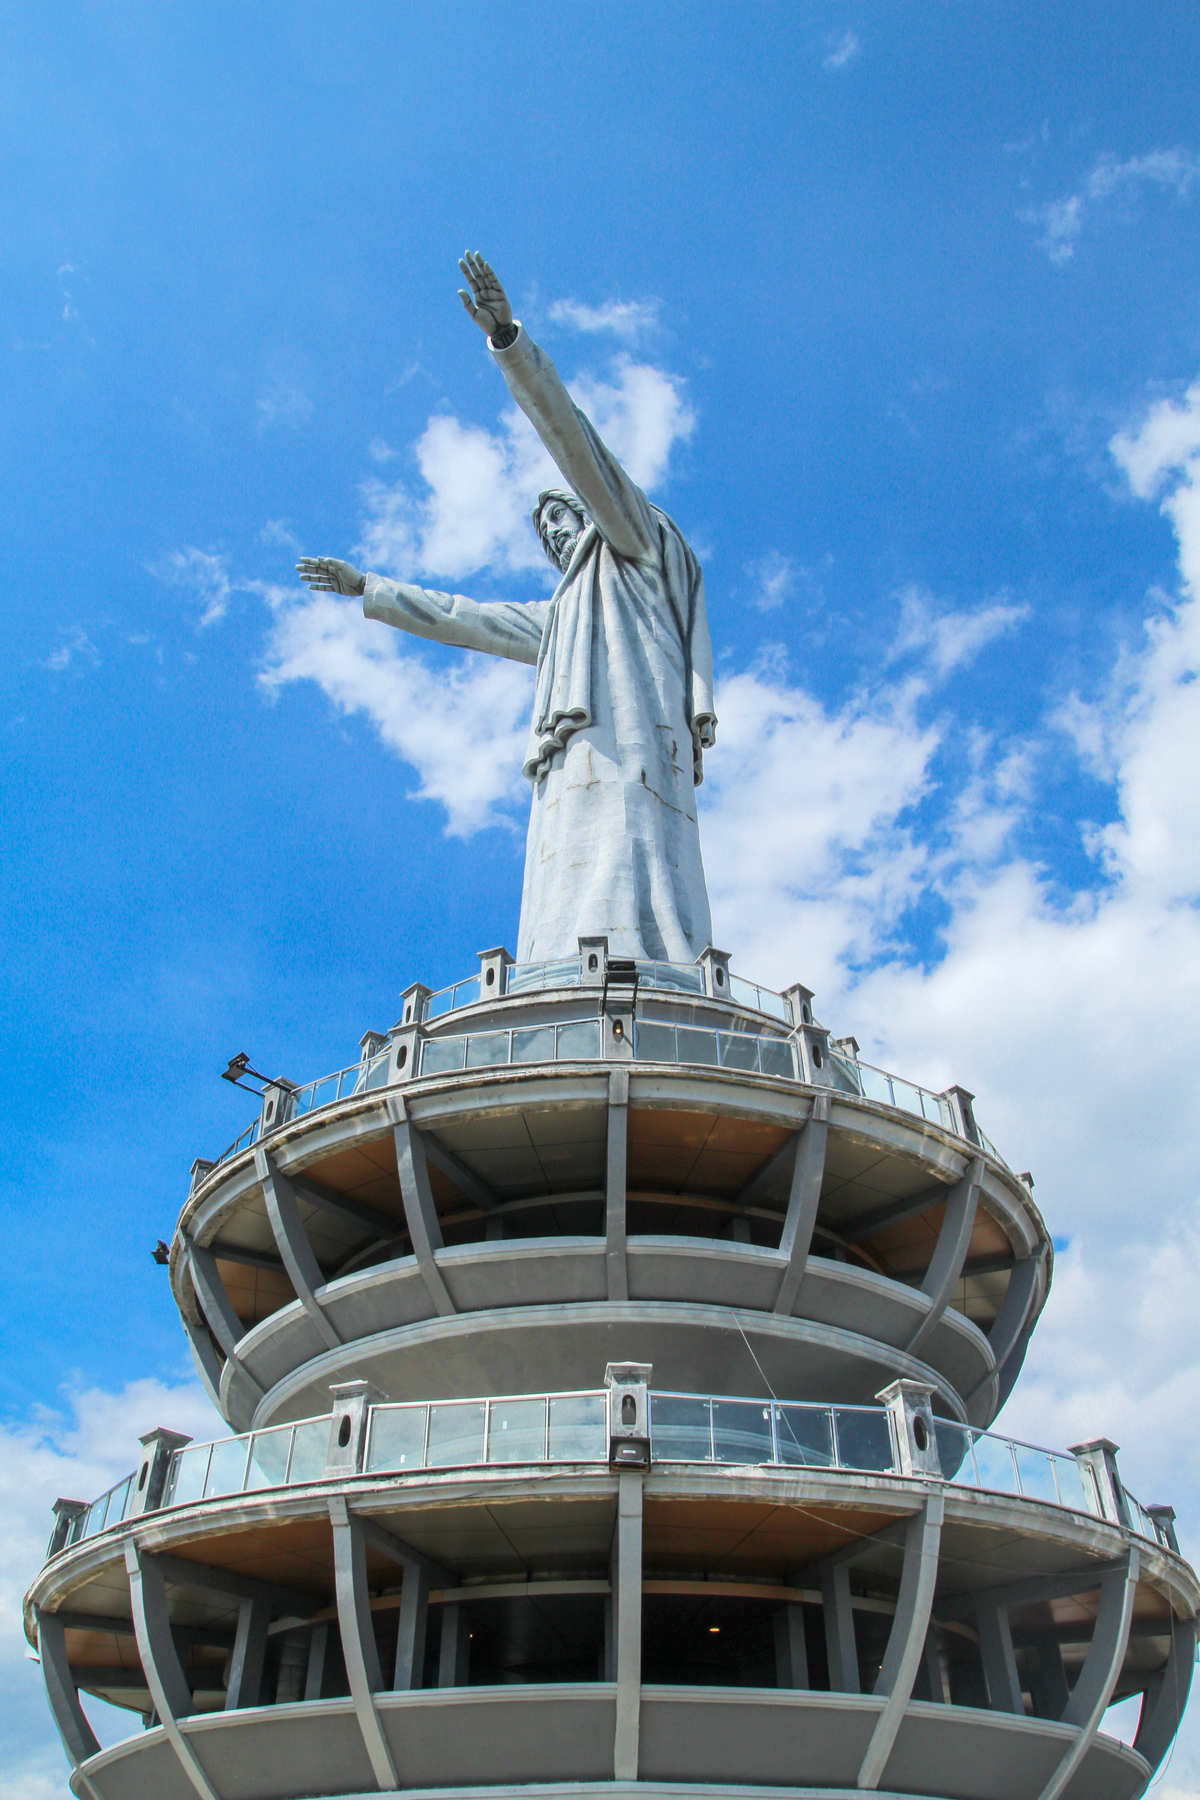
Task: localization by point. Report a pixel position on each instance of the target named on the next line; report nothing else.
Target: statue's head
(560, 521)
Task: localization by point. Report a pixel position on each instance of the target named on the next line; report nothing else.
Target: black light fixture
(621, 975)
(239, 1065)
(161, 1253)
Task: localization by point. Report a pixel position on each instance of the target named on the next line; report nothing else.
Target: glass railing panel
(954, 1452)
(994, 1460)
(580, 1041)
(777, 1056)
(536, 1045)
(679, 978)
(845, 1073)
(578, 1428)
(564, 973)
(744, 992)
(696, 1046)
(524, 978)
(864, 1439)
(269, 1452)
(804, 1437)
(487, 1049)
(227, 1470)
(310, 1451)
(319, 1093)
(119, 1503)
(455, 1434)
(94, 1521)
(516, 1431)
(874, 1084)
(681, 1428)
(397, 1438)
(741, 1432)
(189, 1474)
(377, 1071)
(907, 1095)
(656, 1043)
(442, 1056)
(773, 1004)
(466, 993)
(1070, 1483)
(737, 1051)
(438, 1004)
(1036, 1471)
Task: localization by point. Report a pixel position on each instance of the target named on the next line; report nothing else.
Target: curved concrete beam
(948, 1258)
(1163, 1703)
(420, 1213)
(359, 1650)
(303, 1270)
(616, 1162)
(160, 1662)
(74, 1728)
(906, 1640)
(1098, 1677)
(808, 1172)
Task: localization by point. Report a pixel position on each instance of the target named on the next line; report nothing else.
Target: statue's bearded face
(561, 528)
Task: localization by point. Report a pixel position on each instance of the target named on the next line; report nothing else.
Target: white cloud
(462, 728)
(200, 573)
(283, 402)
(842, 52)
(950, 637)
(1062, 220)
(774, 578)
(78, 1452)
(625, 319)
(277, 534)
(73, 641)
(479, 485)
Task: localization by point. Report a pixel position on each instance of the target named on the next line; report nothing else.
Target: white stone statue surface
(624, 701)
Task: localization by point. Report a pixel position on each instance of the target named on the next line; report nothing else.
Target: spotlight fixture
(161, 1253)
(239, 1065)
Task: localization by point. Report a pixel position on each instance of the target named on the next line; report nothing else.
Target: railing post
(65, 1514)
(1163, 1519)
(200, 1168)
(404, 1063)
(715, 964)
(962, 1111)
(911, 1412)
(593, 954)
(277, 1103)
(798, 1000)
(813, 1044)
(628, 1413)
(150, 1482)
(1097, 1461)
(352, 1403)
(412, 1004)
(370, 1044)
(493, 972)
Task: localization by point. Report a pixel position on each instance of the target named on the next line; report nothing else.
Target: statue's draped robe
(623, 708)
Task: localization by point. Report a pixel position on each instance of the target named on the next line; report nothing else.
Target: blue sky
(895, 310)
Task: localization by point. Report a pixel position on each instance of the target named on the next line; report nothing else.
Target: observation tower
(610, 1356)
(609, 1353)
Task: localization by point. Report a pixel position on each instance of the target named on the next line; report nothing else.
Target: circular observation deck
(521, 1190)
(797, 1630)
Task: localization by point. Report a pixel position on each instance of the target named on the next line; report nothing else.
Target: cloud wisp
(201, 574)
(842, 51)
(1062, 220)
(627, 320)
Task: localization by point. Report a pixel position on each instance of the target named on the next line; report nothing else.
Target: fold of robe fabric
(623, 707)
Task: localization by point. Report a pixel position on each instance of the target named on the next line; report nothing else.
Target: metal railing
(853, 1077)
(572, 1428)
(575, 1040)
(654, 1042)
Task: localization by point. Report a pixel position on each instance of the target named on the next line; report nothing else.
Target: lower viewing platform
(655, 1606)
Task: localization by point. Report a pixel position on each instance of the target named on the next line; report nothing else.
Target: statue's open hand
(487, 302)
(326, 575)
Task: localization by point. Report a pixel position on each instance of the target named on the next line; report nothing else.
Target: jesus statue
(623, 708)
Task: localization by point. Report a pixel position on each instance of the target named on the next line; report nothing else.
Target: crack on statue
(623, 641)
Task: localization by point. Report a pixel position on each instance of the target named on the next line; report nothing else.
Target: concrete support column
(1098, 1677)
(954, 1240)
(808, 1172)
(420, 1213)
(616, 1164)
(249, 1652)
(318, 1654)
(160, 1661)
(791, 1649)
(358, 1637)
(840, 1642)
(413, 1628)
(454, 1657)
(906, 1641)
(79, 1740)
(627, 1622)
(999, 1659)
(304, 1272)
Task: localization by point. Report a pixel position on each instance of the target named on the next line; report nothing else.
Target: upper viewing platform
(541, 1157)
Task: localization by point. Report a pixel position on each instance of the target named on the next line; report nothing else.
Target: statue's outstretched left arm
(508, 628)
(618, 506)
